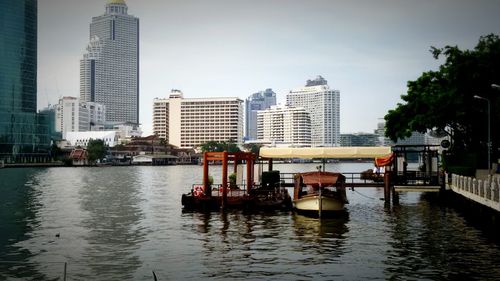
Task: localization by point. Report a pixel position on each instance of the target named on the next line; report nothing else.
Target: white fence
(485, 192)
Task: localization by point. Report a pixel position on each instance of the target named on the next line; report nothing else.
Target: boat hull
(317, 203)
(237, 201)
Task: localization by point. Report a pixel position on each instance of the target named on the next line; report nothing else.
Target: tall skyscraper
(23, 133)
(323, 105)
(188, 123)
(109, 70)
(258, 101)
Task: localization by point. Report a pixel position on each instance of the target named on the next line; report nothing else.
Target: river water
(123, 223)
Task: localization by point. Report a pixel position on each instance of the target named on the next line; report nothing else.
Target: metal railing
(287, 179)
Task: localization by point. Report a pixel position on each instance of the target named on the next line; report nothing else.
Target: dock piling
(387, 188)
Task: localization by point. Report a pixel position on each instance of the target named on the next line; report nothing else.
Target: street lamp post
(489, 133)
(496, 87)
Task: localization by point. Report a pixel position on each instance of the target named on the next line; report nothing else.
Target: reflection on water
(428, 239)
(19, 207)
(122, 223)
(324, 240)
(112, 220)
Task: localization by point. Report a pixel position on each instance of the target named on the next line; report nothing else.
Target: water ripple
(122, 223)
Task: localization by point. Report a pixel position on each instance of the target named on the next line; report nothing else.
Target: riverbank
(33, 165)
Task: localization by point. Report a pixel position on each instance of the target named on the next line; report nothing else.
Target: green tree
(444, 99)
(231, 146)
(252, 147)
(55, 151)
(119, 147)
(215, 146)
(96, 150)
(212, 146)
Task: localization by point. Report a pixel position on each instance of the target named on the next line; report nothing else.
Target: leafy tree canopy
(444, 99)
(96, 150)
(215, 146)
(254, 148)
(55, 151)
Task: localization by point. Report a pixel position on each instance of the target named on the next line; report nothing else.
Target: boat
(319, 193)
(210, 196)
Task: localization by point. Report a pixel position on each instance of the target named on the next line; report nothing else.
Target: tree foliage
(55, 151)
(96, 150)
(215, 146)
(254, 148)
(444, 99)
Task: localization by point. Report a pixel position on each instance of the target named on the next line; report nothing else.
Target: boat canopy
(322, 178)
(385, 160)
(325, 152)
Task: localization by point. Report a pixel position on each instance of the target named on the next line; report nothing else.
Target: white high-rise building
(289, 126)
(323, 105)
(73, 115)
(109, 70)
(97, 113)
(188, 123)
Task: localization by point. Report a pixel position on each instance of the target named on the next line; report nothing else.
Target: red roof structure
(79, 154)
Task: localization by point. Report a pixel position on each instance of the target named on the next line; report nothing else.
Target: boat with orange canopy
(319, 192)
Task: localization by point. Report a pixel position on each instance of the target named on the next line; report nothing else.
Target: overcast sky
(367, 50)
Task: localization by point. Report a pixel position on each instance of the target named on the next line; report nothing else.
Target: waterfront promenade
(482, 191)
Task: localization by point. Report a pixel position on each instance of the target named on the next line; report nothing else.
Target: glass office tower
(23, 137)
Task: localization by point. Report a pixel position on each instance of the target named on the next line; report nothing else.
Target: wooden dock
(392, 185)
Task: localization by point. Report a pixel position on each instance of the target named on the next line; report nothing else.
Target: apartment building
(290, 126)
(189, 122)
(323, 105)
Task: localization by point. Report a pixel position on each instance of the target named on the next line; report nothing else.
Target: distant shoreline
(33, 165)
(60, 164)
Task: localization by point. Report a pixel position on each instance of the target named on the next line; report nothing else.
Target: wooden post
(249, 173)
(65, 270)
(270, 164)
(395, 196)
(387, 187)
(205, 175)
(320, 202)
(297, 186)
(235, 164)
(224, 180)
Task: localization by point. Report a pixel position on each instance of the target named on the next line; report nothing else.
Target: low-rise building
(126, 130)
(359, 139)
(82, 139)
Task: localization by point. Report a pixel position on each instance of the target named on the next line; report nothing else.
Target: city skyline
(368, 51)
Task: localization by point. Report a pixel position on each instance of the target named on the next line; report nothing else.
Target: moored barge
(207, 196)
